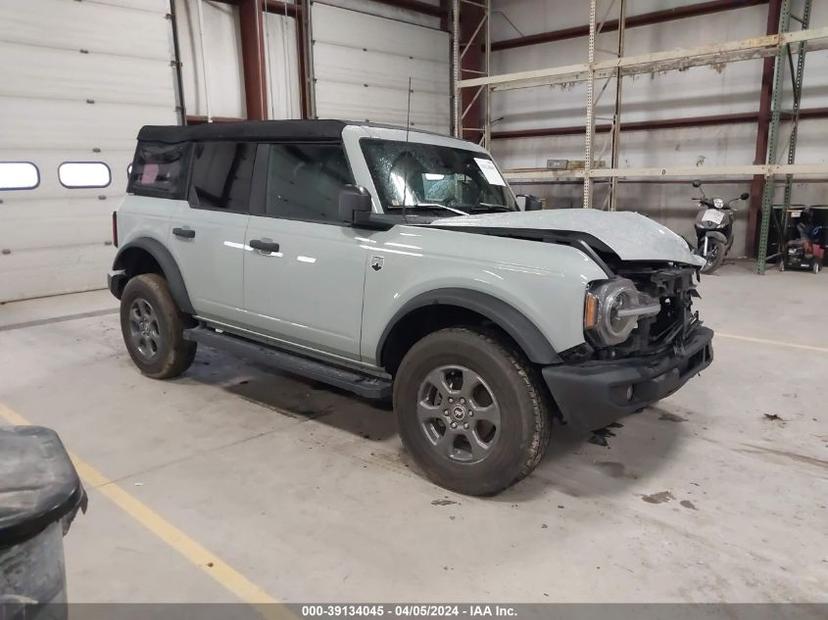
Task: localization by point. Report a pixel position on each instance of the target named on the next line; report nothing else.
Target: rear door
(304, 274)
(207, 232)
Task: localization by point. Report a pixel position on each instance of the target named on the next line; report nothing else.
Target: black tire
(152, 327)
(502, 380)
(717, 249)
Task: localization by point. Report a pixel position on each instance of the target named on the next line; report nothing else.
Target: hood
(633, 237)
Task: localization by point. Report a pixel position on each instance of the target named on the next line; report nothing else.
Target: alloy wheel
(459, 414)
(144, 329)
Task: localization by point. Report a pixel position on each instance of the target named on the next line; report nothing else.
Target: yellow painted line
(195, 553)
(776, 343)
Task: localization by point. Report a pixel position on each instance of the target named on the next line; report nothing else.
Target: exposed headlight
(718, 203)
(612, 309)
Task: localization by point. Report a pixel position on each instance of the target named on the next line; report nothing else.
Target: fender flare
(523, 331)
(169, 267)
(715, 234)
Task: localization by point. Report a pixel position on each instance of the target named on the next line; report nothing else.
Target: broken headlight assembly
(612, 309)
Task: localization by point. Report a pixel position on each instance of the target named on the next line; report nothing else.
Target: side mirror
(354, 204)
(528, 202)
(744, 196)
(696, 183)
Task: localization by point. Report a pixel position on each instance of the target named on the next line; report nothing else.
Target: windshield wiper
(487, 206)
(439, 206)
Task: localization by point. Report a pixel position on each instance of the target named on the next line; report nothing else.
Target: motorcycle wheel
(715, 256)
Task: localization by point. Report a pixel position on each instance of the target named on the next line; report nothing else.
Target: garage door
(79, 79)
(362, 64)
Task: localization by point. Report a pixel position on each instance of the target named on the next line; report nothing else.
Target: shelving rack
(780, 45)
(796, 75)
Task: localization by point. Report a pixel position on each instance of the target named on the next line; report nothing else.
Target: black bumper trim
(593, 394)
(115, 282)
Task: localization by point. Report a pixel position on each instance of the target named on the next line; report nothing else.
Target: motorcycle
(714, 228)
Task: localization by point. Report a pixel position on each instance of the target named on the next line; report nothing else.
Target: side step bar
(353, 381)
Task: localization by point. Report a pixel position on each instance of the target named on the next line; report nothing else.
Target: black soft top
(245, 130)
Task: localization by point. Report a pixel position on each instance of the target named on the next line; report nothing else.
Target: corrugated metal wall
(362, 64)
(701, 91)
(78, 80)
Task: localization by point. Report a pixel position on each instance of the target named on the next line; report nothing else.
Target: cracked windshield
(430, 178)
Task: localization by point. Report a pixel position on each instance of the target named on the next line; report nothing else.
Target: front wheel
(471, 411)
(715, 255)
(153, 328)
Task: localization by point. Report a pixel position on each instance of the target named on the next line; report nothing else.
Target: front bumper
(593, 394)
(115, 282)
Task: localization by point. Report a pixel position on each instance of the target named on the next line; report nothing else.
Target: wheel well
(422, 321)
(135, 261)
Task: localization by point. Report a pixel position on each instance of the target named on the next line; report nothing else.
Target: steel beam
(672, 60)
(413, 5)
(283, 8)
(251, 27)
(757, 186)
(645, 19)
(542, 174)
(670, 123)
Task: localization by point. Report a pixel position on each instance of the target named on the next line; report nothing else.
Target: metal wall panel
(362, 64)
(79, 80)
(96, 28)
(284, 97)
(224, 79)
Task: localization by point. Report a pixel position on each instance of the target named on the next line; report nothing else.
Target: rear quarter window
(160, 170)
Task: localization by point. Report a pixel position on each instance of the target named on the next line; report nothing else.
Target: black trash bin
(40, 493)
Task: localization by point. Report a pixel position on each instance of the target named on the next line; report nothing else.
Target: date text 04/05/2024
(408, 611)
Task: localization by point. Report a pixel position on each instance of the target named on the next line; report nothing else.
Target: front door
(207, 233)
(304, 272)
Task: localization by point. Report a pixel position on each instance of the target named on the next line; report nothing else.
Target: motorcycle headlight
(612, 309)
(718, 203)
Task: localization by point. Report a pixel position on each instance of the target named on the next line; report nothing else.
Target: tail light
(115, 228)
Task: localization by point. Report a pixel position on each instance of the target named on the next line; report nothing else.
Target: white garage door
(362, 64)
(78, 81)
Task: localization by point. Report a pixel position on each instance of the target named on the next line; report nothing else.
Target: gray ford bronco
(397, 264)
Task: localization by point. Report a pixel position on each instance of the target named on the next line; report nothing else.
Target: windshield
(437, 178)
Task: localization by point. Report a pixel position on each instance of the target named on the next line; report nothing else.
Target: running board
(353, 381)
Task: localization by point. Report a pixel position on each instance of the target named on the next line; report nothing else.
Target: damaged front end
(647, 311)
(643, 340)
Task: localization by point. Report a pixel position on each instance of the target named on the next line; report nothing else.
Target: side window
(221, 175)
(304, 180)
(18, 175)
(159, 170)
(80, 174)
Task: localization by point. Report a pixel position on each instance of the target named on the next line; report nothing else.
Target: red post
(251, 22)
(757, 185)
(470, 17)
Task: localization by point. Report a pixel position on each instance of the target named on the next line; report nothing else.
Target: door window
(304, 180)
(221, 175)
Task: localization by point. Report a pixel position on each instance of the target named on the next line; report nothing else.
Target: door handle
(264, 246)
(184, 233)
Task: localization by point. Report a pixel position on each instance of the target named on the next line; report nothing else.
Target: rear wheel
(470, 411)
(715, 256)
(153, 328)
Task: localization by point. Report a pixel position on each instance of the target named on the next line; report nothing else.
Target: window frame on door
(258, 193)
(192, 198)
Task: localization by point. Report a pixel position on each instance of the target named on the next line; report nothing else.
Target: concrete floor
(307, 493)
